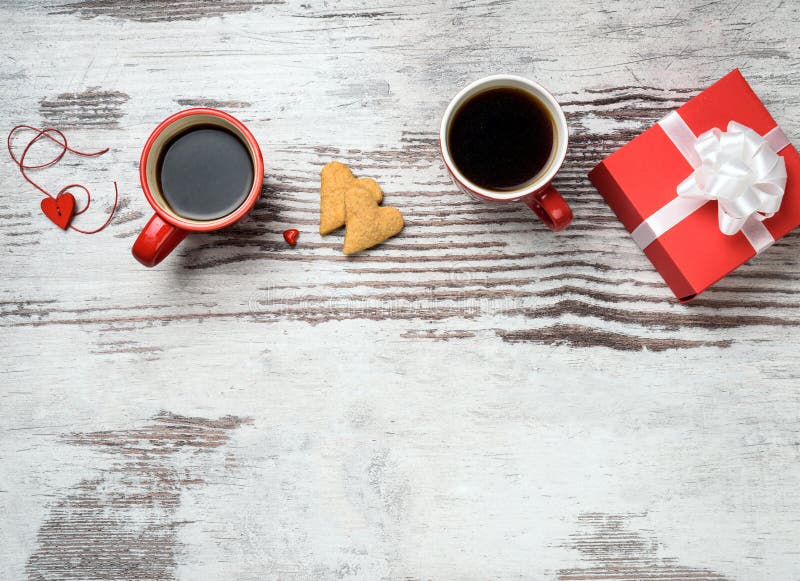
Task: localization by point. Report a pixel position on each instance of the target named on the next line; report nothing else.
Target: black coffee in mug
(205, 172)
(501, 139)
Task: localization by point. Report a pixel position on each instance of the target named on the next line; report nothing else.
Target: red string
(59, 138)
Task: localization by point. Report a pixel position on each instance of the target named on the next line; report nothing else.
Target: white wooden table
(475, 399)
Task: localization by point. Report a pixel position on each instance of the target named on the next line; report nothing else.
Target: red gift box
(642, 177)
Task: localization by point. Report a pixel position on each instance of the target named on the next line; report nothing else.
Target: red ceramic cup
(539, 194)
(166, 229)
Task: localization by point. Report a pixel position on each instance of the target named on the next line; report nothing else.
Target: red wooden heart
(291, 236)
(60, 209)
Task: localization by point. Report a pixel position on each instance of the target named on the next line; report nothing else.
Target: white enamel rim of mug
(561, 136)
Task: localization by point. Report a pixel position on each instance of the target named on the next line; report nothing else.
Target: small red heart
(60, 209)
(291, 236)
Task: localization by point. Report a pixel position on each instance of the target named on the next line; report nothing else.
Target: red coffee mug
(166, 229)
(539, 194)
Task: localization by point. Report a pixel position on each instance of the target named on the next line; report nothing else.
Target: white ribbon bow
(741, 172)
(735, 168)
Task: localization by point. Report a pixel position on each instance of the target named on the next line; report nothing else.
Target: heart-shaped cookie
(59, 209)
(368, 223)
(336, 179)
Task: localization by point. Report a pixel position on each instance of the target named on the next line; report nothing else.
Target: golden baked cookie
(368, 223)
(336, 178)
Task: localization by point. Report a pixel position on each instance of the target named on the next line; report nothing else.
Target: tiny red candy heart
(60, 209)
(291, 236)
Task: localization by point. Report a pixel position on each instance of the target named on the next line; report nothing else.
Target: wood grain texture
(121, 524)
(474, 399)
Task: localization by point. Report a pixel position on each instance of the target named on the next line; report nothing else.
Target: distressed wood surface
(475, 399)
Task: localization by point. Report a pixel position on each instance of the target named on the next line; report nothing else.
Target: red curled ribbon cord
(60, 139)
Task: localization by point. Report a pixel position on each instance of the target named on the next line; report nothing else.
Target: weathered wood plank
(476, 398)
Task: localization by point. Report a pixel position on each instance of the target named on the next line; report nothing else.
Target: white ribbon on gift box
(738, 168)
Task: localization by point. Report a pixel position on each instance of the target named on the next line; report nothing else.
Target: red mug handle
(156, 241)
(550, 207)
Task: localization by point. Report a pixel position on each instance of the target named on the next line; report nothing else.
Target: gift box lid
(642, 177)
